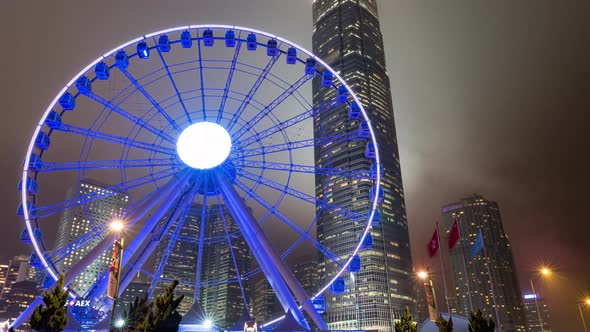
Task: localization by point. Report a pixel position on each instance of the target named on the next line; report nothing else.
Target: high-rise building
(14, 302)
(346, 35)
(18, 270)
(473, 213)
(306, 272)
(264, 303)
(532, 314)
(181, 261)
(221, 294)
(3, 274)
(137, 288)
(79, 220)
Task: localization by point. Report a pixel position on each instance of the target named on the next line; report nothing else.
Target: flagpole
(485, 253)
(464, 266)
(442, 266)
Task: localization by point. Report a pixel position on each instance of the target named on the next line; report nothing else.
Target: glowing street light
(208, 323)
(587, 301)
(117, 225)
(545, 271)
(120, 323)
(423, 275)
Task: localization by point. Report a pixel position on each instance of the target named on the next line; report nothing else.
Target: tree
(137, 311)
(478, 323)
(444, 325)
(52, 317)
(406, 324)
(162, 315)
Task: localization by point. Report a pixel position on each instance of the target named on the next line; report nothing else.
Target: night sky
(489, 97)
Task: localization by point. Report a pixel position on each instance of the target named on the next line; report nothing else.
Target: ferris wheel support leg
(143, 239)
(279, 275)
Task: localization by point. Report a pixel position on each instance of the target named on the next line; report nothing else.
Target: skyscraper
(181, 260)
(18, 270)
(3, 274)
(264, 304)
(221, 297)
(475, 213)
(79, 220)
(347, 36)
(532, 314)
(306, 273)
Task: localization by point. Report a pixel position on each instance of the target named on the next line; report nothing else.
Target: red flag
(454, 236)
(433, 245)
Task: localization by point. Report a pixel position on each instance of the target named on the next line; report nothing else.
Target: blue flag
(477, 245)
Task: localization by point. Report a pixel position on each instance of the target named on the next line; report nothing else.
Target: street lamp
(544, 271)
(117, 226)
(423, 275)
(587, 303)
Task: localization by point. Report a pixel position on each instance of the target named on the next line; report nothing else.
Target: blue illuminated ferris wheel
(208, 115)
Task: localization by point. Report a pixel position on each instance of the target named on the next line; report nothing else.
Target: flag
(477, 244)
(454, 237)
(433, 245)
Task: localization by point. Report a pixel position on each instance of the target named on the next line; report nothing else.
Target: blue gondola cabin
(208, 38)
(230, 38)
(310, 65)
(291, 56)
(272, 48)
(67, 101)
(122, 60)
(370, 151)
(251, 43)
(327, 78)
(164, 43)
(338, 286)
(102, 71)
(354, 111)
(143, 51)
(186, 40)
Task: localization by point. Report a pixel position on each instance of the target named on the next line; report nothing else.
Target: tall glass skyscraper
(348, 37)
(181, 258)
(79, 220)
(473, 290)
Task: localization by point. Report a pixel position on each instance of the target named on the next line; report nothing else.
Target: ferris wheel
(198, 116)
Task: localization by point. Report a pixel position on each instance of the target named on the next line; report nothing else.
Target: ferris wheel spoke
(297, 168)
(302, 233)
(233, 256)
(180, 100)
(87, 165)
(200, 248)
(173, 239)
(301, 144)
(228, 82)
(351, 215)
(151, 99)
(125, 141)
(288, 123)
(273, 105)
(48, 210)
(252, 91)
(125, 114)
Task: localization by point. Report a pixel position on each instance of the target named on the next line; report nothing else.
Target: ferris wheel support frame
(278, 274)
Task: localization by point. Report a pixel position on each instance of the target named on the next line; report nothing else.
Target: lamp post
(586, 302)
(543, 272)
(429, 290)
(118, 227)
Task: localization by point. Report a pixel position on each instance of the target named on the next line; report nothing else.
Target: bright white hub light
(203, 145)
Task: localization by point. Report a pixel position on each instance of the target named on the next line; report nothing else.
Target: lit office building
(178, 252)
(347, 36)
(473, 213)
(264, 304)
(537, 320)
(223, 301)
(81, 219)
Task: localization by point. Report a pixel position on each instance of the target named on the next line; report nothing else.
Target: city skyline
(501, 154)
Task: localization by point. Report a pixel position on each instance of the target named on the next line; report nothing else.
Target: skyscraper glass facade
(347, 36)
(79, 220)
(472, 213)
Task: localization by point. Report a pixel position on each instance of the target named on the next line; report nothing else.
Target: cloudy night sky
(489, 97)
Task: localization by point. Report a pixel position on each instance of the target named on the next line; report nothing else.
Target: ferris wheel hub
(203, 145)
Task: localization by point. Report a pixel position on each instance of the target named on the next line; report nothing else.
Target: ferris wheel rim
(25, 173)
